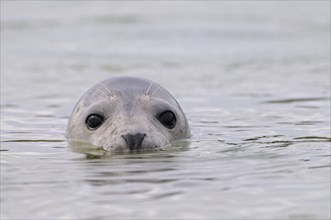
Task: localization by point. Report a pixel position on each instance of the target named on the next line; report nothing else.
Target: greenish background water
(253, 78)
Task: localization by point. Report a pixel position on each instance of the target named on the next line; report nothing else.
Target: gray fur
(130, 105)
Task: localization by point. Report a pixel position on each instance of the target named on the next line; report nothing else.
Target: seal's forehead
(116, 87)
(126, 83)
(127, 89)
(131, 86)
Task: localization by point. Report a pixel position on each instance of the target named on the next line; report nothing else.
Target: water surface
(252, 77)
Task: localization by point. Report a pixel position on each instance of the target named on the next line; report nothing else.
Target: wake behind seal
(127, 114)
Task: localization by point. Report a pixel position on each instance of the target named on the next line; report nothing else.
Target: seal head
(126, 114)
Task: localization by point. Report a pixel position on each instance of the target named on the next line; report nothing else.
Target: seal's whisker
(150, 86)
(103, 93)
(109, 92)
(156, 90)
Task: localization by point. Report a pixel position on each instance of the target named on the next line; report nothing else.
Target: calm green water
(252, 77)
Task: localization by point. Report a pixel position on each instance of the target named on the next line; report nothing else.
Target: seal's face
(126, 113)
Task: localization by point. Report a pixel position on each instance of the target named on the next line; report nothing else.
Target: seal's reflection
(130, 170)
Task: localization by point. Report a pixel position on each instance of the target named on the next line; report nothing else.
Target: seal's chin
(125, 149)
(148, 146)
(88, 148)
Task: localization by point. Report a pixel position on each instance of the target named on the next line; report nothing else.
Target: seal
(127, 114)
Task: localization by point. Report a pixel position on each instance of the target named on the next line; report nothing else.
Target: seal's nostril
(134, 141)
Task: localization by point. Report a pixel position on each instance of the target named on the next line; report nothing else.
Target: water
(252, 77)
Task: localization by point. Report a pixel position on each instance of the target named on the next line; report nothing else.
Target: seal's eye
(94, 121)
(168, 119)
